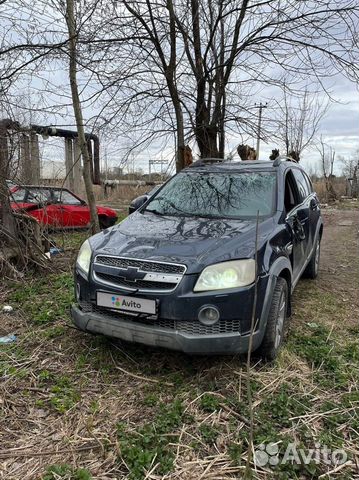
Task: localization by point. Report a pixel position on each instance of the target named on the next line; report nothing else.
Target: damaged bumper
(224, 343)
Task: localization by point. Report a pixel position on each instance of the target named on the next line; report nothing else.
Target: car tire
(312, 268)
(276, 322)
(103, 222)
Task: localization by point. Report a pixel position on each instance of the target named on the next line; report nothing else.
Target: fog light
(78, 291)
(208, 315)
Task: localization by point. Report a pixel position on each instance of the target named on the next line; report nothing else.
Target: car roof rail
(283, 158)
(206, 161)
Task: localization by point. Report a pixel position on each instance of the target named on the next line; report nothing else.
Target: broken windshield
(214, 195)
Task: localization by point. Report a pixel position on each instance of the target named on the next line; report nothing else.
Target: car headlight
(236, 273)
(84, 257)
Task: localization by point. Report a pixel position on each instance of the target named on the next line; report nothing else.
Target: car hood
(195, 242)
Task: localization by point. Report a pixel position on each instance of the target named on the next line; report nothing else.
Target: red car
(57, 207)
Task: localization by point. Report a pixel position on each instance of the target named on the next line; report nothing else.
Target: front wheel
(276, 322)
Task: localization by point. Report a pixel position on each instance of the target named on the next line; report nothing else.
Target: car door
(307, 207)
(72, 210)
(314, 208)
(297, 220)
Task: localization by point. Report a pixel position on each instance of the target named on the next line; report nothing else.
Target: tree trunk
(180, 157)
(180, 161)
(6, 214)
(206, 137)
(71, 26)
(355, 184)
(221, 133)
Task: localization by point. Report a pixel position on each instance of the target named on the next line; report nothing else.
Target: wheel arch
(282, 268)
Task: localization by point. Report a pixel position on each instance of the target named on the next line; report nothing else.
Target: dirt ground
(78, 407)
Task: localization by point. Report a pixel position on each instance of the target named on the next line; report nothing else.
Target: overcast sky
(339, 128)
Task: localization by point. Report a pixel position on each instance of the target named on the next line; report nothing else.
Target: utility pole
(260, 107)
(106, 164)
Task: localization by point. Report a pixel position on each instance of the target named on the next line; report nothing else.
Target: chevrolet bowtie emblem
(131, 274)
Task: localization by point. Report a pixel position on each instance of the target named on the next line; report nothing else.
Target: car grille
(165, 276)
(189, 327)
(140, 284)
(145, 266)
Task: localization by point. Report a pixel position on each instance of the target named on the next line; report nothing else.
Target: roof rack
(283, 158)
(205, 161)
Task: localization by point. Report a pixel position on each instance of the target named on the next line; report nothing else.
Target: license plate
(129, 304)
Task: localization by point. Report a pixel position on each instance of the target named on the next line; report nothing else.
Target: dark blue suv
(181, 271)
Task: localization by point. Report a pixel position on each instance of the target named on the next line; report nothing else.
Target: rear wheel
(312, 268)
(276, 322)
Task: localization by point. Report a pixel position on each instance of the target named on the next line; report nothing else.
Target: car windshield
(212, 194)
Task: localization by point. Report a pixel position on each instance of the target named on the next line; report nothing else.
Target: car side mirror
(137, 203)
(296, 226)
(313, 204)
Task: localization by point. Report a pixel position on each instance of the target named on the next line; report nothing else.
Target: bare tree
(7, 219)
(298, 121)
(222, 50)
(191, 68)
(350, 171)
(327, 159)
(71, 25)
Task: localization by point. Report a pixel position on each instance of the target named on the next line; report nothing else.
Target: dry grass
(116, 411)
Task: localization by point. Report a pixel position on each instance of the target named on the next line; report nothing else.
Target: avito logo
(118, 302)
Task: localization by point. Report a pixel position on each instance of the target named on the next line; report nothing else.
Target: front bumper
(177, 326)
(222, 343)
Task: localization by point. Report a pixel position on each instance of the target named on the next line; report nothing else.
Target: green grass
(64, 394)
(45, 298)
(70, 240)
(209, 433)
(66, 472)
(209, 403)
(145, 446)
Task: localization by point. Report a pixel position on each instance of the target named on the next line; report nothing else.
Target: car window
(212, 194)
(292, 198)
(65, 197)
(18, 195)
(309, 183)
(301, 183)
(37, 195)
